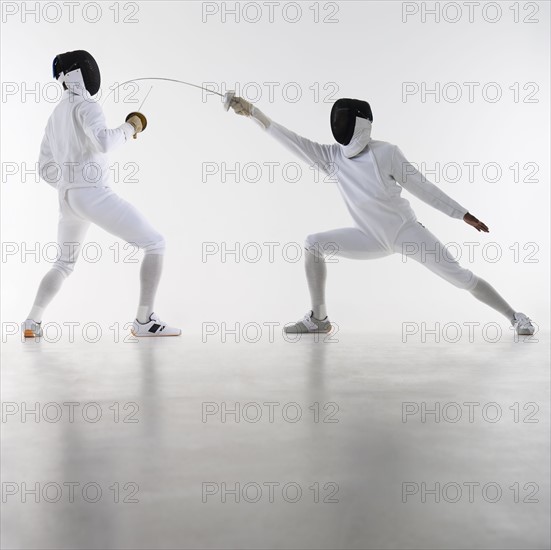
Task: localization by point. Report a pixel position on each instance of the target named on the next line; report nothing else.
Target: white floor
(360, 454)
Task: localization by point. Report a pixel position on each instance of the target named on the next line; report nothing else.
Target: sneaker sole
(153, 335)
(525, 332)
(324, 331)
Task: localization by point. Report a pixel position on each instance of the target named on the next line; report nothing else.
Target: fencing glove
(138, 121)
(245, 108)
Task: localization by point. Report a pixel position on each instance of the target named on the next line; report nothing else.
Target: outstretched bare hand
(476, 223)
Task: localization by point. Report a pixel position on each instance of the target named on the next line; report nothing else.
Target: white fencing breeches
(102, 206)
(80, 207)
(413, 241)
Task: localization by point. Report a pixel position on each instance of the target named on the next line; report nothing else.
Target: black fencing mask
(351, 125)
(78, 67)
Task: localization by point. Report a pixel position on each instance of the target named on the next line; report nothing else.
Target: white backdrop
(367, 52)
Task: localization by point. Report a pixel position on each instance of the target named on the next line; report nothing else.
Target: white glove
(241, 106)
(137, 123)
(245, 108)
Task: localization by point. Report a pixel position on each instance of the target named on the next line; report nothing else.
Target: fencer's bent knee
(312, 244)
(64, 267)
(309, 241)
(157, 245)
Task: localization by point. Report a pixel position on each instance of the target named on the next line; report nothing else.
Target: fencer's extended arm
(417, 184)
(46, 159)
(93, 122)
(307, 150)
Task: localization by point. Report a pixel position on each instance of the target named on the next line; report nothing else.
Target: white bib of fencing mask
(73, 81)
(360, 138)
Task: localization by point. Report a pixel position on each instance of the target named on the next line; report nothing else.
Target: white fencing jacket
(76, 142)
(371, 182)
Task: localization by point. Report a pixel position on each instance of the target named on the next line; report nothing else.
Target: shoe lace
(307, 317)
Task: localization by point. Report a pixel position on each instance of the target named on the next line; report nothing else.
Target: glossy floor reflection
(359, 442)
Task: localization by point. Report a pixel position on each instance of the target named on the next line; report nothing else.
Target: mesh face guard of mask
(77, 67)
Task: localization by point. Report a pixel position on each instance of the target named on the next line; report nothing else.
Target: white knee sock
(316, 275)
(49, 287)
(150, 274)
(486, 293)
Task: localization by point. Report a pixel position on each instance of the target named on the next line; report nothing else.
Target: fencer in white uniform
(370, 175)
(73, 159)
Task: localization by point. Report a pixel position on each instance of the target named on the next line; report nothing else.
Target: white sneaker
(522, 325)
(31, 329)
(153, 327)
(309, 325)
